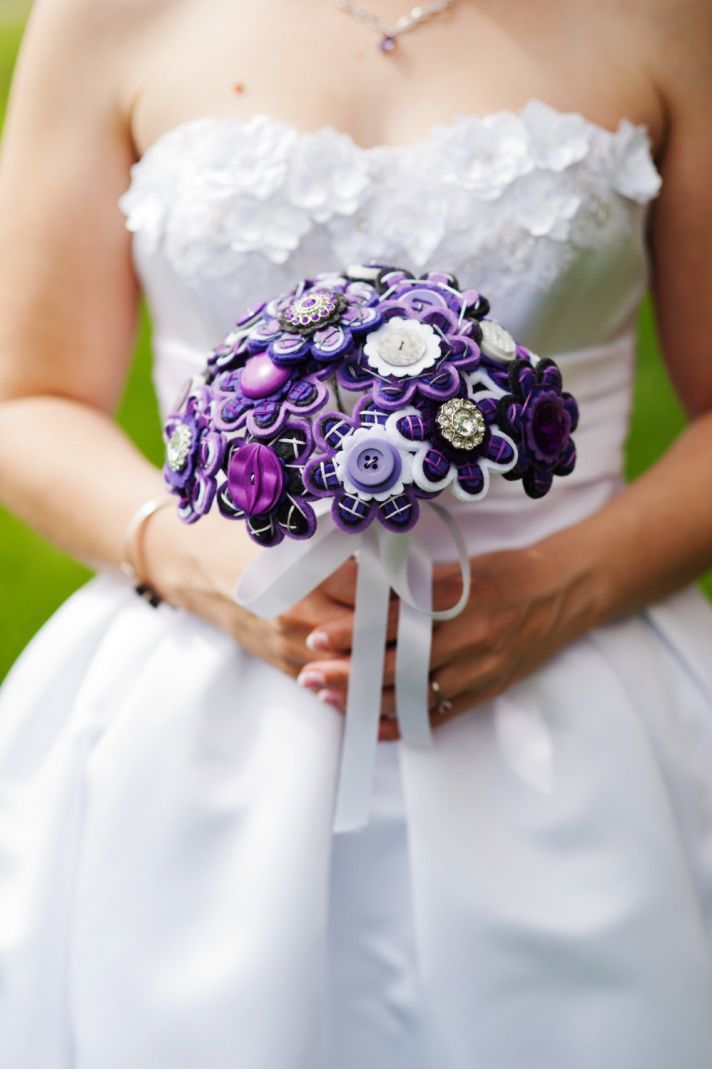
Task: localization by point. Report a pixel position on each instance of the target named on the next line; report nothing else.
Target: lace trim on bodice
(519, 191)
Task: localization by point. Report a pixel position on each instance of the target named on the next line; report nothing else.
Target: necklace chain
(406, 22)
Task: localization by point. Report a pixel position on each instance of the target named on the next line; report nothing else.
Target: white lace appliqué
(517, 192)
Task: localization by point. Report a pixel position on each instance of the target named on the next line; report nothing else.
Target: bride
(535, 892)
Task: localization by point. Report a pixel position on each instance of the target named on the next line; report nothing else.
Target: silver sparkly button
(497, 342)
(179, 446)
(461, 423)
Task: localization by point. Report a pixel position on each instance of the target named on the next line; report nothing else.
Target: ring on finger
(442, 704)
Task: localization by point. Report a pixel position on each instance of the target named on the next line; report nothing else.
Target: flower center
(461, 423)
(312, 310)
(549, 427)
(179, 446)
(401, 347)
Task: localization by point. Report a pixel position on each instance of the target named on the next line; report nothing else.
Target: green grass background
(36, 577)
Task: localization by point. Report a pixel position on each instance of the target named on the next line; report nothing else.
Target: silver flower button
(461, 423)
(179, 446)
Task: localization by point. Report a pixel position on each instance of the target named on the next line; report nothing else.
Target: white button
(400, 347)
(497, 342)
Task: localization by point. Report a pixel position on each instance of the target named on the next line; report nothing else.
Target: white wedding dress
(533, 893)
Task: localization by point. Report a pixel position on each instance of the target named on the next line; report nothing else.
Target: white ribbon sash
(278, 579)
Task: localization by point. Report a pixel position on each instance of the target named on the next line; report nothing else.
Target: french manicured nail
(331, 697)
(318, 640)
(311, 679)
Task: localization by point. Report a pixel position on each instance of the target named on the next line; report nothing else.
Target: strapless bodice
(542, 211)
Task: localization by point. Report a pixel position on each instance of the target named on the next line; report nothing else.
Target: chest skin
(308, 64)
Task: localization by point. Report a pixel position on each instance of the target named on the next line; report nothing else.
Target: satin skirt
(533, 893)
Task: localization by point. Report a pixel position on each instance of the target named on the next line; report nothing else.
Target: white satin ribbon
(278, 579)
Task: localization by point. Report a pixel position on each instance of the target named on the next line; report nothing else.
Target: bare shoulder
(678, 49)
(97, 43)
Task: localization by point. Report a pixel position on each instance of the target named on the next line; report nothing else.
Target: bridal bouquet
(343, 407)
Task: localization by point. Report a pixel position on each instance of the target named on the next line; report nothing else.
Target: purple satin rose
(264, 484)
(255, 478)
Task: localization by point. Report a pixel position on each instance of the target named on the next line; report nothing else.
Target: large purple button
(255, 478)
(262, 377)
(374, 465)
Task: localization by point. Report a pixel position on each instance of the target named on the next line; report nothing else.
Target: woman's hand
(196, 568)
(524, 606)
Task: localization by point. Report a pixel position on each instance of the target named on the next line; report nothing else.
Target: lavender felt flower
(232, 351)
(318, 320)
(264, 484)
(429, 336)
(194, 453)
(261, 395)
(540, 417)
(365, 469)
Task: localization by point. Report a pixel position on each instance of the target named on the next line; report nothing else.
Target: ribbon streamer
(277, 580)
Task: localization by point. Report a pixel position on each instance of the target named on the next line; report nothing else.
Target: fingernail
(312, 679)
(331, 697)
(318, 640)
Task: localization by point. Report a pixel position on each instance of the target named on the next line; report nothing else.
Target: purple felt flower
(460, 442)
(541, 418)
(264, 484)
(261, 395)
(318, 320)
(429, 336)
(194, 453)
(365, 469)
(232, 350)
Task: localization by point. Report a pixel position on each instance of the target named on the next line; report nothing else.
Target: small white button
(497, 342)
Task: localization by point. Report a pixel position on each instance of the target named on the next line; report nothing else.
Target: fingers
(341, 584)
(336, 635)
(388, 730)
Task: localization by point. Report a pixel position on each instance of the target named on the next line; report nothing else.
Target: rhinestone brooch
(179, 446)
(461, 423)
(312, 310)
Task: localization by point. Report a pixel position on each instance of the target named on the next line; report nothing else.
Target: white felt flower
(402, 347)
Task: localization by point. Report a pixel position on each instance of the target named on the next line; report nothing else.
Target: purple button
(374, 465)
(261, 376)
(255, 478)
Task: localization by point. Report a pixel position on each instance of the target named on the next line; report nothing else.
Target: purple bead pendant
(387, 44)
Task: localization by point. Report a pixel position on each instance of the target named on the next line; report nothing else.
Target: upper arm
(68, 295)
(681, 218)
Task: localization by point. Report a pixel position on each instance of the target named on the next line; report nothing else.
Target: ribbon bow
(277, 580)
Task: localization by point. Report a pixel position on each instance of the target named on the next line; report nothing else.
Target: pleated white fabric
(533, 893)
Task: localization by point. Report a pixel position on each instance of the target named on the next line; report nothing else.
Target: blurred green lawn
(36, 577)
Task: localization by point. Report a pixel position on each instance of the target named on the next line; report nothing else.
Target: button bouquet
(326, 421)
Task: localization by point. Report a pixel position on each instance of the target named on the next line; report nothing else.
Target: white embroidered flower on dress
(544, 204)
(632, 171)
(508, 197)
(556, 139)
(328, 175)
(483, 155)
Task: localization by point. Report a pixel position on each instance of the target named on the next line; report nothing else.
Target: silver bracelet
(131, 566)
